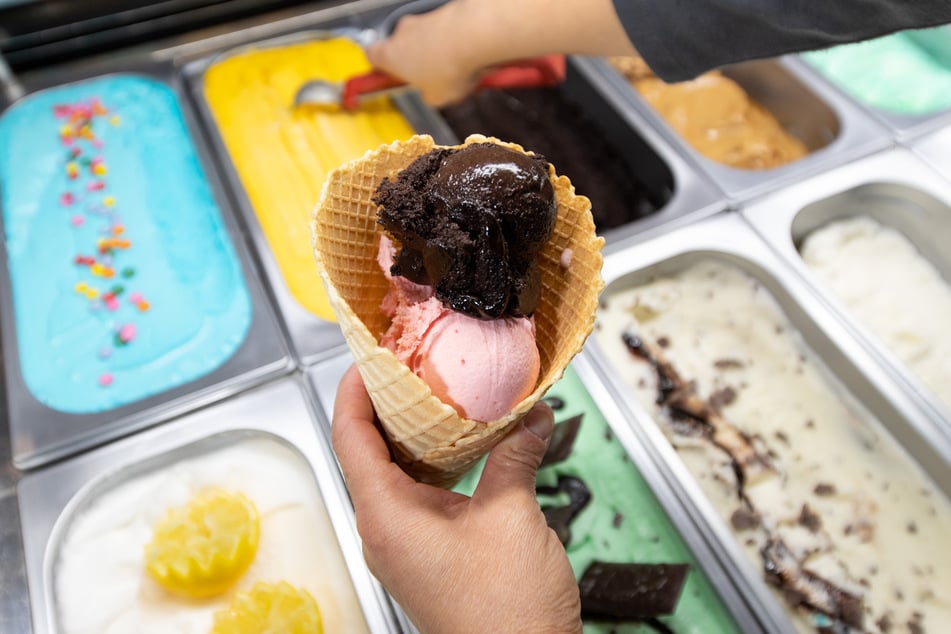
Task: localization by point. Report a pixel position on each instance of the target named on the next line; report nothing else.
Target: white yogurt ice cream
(100, 584)
(827, 489)
(890, 288)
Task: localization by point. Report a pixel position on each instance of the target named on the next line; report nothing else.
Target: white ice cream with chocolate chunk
(100, 584)
(889, 287)
(827, 491)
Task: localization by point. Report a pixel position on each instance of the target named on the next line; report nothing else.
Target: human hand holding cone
(429, 439)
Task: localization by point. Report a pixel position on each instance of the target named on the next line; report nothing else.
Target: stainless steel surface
(727, 237)
(900, 126)
(14, 599)
(833, 128)
(898, 190)
(935, 148)
(40, 434)
(324, 377)
(10, 88)
(51, 497)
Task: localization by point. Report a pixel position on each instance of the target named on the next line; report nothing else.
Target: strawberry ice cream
(481, 367)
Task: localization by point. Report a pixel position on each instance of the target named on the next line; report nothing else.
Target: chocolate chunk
(562, 441)
(728, 364)
(803, 587)
(624, 592)
(663, 342)
(722, 397)
(884, 623)
(744, 519)
(823, 490)
(559, 518)
(809, 519)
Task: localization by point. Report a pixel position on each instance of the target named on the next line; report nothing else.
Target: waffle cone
(428, 438)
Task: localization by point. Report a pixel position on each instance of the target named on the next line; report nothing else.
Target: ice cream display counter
(761, 407)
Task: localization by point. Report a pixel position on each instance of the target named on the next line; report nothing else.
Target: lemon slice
(270, 609)
(200, 549)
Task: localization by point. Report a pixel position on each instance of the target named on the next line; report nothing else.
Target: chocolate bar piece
(627, 592)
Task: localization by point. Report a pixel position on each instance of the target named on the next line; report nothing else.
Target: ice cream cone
(429, 439)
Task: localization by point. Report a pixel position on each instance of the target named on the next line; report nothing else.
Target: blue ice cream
(125, 283)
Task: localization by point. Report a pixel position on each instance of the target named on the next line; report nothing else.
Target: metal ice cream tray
(51, 499)
(894, 188)
(729, 239)
(324, 378)
(40, 434)
(833, 128)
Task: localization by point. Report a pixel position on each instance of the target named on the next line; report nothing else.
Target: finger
(361, 450)
(513, 463)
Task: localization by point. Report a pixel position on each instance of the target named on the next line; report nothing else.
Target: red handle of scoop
(547, 70)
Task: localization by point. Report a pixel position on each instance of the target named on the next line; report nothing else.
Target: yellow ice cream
(282, 154)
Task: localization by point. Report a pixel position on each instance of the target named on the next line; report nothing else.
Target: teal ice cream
(622, 522)
(907, 73)
(125, 283)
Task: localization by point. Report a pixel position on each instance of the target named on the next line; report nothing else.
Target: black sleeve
(680, 39)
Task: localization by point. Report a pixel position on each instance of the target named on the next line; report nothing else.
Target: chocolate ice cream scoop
(470, 223)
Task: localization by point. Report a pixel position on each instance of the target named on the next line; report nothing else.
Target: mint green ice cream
(623, 522)
(905, 73)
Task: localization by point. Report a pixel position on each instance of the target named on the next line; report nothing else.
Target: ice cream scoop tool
(548, 70)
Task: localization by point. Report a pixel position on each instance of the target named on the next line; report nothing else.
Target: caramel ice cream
(716, 117)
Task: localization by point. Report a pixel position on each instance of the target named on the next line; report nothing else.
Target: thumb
(513, 463)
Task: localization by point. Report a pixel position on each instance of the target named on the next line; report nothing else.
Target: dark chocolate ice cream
(470, 222)
(544, 120)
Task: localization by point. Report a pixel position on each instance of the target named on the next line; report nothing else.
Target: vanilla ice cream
(890, 288)
(100, 584)
(844, 524)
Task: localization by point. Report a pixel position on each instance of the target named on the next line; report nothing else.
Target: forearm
(496, 31)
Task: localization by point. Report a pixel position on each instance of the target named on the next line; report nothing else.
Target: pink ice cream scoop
(481, 367)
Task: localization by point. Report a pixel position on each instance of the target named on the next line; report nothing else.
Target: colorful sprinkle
(78, 123)
(126, 333)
